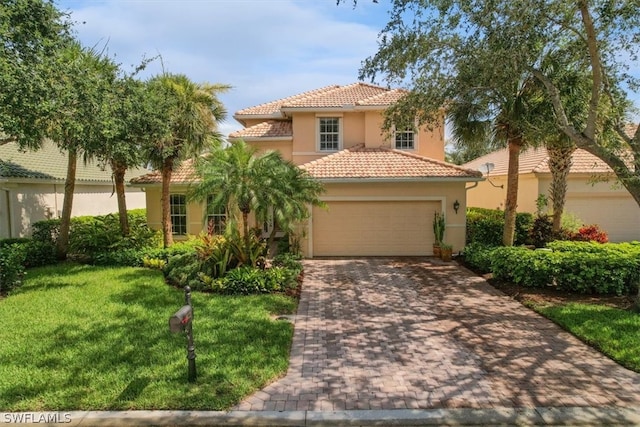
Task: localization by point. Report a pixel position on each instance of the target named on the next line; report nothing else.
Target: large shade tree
(84, 82)
(191, 112)
(425, 41)
(241, 180)
(133, 119)
(32, 33)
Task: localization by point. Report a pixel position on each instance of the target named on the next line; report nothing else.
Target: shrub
(584, 267)
(590, 233)
(184, 269)
(46, 231)
(478, 257)
(12, 261)
(522, 266)
(290, 261)
(486, 226)
(541, 231)
(39, 253)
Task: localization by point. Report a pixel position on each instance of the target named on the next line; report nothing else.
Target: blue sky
(265, 49)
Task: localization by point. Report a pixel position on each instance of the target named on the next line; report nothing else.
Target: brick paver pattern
(417, 333)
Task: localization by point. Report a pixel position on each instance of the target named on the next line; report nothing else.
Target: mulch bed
(550, 296)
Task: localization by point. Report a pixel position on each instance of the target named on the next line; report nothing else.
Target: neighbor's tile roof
(183, 174)
(536, 160)
(356, 94)
(49, 163)
(268, 129)
(382, 163)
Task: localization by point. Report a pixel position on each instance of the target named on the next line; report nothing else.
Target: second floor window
(405, 140)
(329, 133)
(178, 207)
(216, 217)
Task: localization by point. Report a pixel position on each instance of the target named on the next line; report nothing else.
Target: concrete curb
(573, 416)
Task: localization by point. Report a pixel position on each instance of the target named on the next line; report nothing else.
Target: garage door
(618, 216)
(374, 228)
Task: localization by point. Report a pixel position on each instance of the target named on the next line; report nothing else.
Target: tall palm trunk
(62, 244)
(559, 164)
(511, 203)
(118, 177)
(167, 171)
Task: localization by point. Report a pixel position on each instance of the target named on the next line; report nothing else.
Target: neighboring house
(32, 188)
(593, 193)
(381, 193)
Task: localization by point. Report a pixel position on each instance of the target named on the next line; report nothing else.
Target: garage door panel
(374, 228)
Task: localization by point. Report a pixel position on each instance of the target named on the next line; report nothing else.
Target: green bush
(486, 226)
(581, 267)
(288, 260)
(478, 257)
(247, 280)
(541, 231)
(522, 266)
(39, 253)
(94, 239)
(12, 261)
(185, 269)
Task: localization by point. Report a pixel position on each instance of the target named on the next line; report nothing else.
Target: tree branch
(596, 69)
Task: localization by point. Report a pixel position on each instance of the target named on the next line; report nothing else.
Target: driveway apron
(417, 333)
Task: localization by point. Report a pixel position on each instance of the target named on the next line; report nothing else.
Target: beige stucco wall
(22, 204)
(593, 201)
(284, 147)
(357, 128)
(445, 193)
(486, 195)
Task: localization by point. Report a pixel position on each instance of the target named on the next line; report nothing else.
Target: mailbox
(181, 319)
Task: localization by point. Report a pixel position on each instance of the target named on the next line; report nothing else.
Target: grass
(96, 338)
(613, 331)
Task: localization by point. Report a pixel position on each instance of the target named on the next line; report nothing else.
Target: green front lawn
(613, 331)
(82, 337)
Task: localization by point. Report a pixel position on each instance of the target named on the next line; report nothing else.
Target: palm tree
(497, 118)
(192, 112)
(242, 181)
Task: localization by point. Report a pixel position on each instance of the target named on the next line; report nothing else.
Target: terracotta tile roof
(536, 160)
(274, 106)
(184, 174)
(356, 94)
(268, 129)
(49, 163)
(382, 163)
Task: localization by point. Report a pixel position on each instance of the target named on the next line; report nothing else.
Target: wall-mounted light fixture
(456, 206)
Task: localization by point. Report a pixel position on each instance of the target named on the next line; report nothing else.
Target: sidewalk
(580, 416)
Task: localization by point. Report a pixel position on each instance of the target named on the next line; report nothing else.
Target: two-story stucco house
(381, 192)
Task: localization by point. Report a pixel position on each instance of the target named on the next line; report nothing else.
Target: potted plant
(438, 232)
(446, 251)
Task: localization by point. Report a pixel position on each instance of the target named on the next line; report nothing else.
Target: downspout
(473, 186)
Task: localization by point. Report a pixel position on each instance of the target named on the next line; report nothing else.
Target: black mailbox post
(182, 321)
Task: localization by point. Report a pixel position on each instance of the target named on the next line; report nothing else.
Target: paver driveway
(391, 333)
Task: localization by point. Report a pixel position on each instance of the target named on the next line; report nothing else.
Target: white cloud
(265, 49)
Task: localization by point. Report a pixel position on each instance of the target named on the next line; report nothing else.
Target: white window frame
(400, 134)
(176, 213)
(216, 214)
(337, 134)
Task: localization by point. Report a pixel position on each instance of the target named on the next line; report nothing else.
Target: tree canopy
(434, 46)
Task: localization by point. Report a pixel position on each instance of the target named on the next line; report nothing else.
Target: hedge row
(487, 225)
(582, 267)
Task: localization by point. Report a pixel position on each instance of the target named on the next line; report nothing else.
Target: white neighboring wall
(22, 204)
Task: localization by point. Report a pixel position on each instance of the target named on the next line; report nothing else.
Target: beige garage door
(374, 228)
(618, 216)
